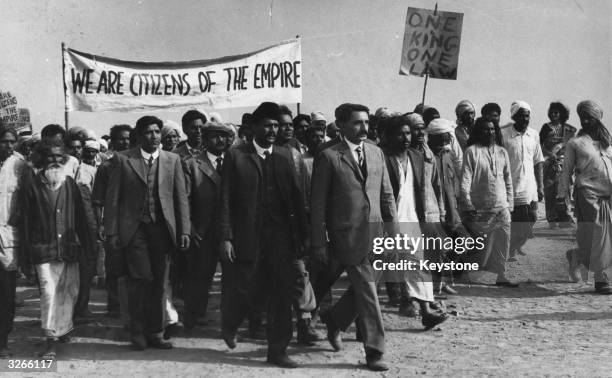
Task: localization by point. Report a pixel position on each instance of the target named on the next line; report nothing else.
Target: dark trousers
(323, 277)
(147, 257)
(241, 297)
(8, 280)
(201, 268)
(523, 219)
(114, 265)
(87, 270)
(277, 272)
(361, 299)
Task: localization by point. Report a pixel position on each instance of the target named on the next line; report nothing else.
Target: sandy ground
(547, 327)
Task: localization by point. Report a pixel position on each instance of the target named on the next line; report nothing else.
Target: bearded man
(55, 231)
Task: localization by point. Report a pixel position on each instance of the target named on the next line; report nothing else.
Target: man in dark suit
(203, 180)
(148, 215)
(351, 198)
(263, 231)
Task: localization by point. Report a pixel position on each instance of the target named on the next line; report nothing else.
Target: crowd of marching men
(286, 204)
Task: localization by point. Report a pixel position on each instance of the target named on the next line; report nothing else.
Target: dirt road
(546, 327)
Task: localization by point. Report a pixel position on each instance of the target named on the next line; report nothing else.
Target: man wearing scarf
(589, 157)
(525, 153)
(465, 112)
(55, 231)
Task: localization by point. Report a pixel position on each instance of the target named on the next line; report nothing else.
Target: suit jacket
(183, 151)
(349, 207)
(241, 184)
(127, 189)
(203, 184)
(427, 187)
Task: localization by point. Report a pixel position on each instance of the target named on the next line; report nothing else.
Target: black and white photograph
(262, 188)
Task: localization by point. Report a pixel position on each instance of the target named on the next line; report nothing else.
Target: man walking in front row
(55, 232)
(203, 179)
(147, 214)
(263, 231)
(351, 198)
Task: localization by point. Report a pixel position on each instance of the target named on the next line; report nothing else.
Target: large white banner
(96, 83)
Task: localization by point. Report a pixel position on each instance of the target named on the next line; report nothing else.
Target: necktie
(150, 162)
(361, 162)
(359, 157)
(219, 164)
(266, 154)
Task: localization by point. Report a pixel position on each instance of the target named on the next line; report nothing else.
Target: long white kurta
(418, 282)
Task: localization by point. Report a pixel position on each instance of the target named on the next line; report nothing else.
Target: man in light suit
(351, 198)
(203, 180)
(263, 233)
(147, 215)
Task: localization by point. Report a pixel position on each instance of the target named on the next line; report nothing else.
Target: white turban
(92, 144)
(170, 126)
(317, 116)
(440, 126)
(215, 117)
(103, 143)
(463, 106)
(517, 105)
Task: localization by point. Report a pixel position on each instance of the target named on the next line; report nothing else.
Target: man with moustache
(285, 129)
(55, 231)
(351, 198)
(526, 165)
(263, 234)
(203, 181)
(147, 214)
(192, 122)
(492, 112)
(416, 186)
(301, 122)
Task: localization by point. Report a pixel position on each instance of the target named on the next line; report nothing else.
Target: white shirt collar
(145, 155)
(352, 145)
(213, 158)
(260, 150)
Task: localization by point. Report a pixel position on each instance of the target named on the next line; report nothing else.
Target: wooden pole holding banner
(66, 118)
(298, 104)
(427, 75)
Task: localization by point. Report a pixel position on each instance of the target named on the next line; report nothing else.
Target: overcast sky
(537, 51)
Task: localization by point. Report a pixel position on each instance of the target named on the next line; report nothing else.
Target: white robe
(419, 282)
